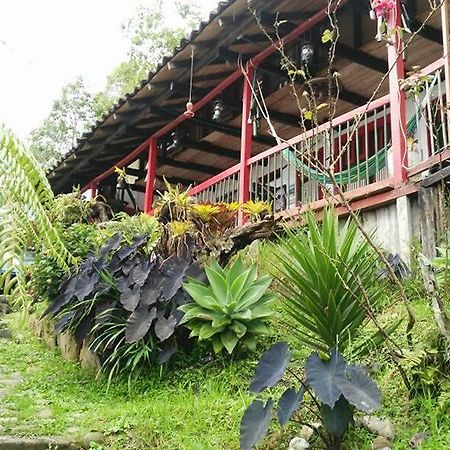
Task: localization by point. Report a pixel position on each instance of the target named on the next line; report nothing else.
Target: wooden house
(384, 142)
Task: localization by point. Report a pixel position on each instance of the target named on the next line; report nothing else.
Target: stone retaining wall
(68, 346)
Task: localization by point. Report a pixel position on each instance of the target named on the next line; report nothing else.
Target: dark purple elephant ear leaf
(123, 283)
(325, 377)
(168, 349)
(111, 245)
(64, 321)
(288, 404)
(65, 295)
(130, 298)
(139, 240)
(255, 423)
(164, 328)
(174, 271)
(140, 272)
(125, 251)
(139, 323)
(129, 265)
(85, 284)
(360, 390)
(271, 367)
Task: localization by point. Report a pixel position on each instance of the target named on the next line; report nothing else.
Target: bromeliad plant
(335, 387)
(231, 309)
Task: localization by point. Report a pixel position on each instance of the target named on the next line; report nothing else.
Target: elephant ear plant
(232, 308)
(125, 301)
(336, 389)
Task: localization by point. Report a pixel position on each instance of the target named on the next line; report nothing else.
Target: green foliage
(441, 264)
(151, 38)
(326, 276)
(131, 226)
(26, 201)
(73, 208)
(232, 308)
(46, 275)
(71, 115)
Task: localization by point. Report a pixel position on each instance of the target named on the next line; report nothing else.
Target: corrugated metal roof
(221, 7)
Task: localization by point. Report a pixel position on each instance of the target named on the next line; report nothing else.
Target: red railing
(294, 172)
(356, 148)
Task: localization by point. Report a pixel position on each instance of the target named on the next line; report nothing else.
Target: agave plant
(327, 277)
(232, 308)
(26, 201)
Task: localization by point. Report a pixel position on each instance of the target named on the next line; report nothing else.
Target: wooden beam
(213, 149)
(195, 167)
(441, 174)
(353, 97)
(427, 32)
(226, 129)
(361, 58)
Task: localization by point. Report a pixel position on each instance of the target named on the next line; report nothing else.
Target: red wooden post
(397, 97)
(246, 142)
(151, 174)
(94, 187)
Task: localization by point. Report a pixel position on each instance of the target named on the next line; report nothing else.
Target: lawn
(197, 407)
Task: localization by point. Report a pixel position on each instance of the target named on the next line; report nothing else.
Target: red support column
(397, 97)
(246, 142)
(151, 174)
(94, 187)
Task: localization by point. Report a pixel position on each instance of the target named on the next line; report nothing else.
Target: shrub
(335, 387)
(79, 239)
(327, 278)
(126, 301)
(232, 308)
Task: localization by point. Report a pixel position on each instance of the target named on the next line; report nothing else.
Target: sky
(46, 44)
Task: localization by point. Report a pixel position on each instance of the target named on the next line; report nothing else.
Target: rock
(48, 334)
(306, 432)
(73, 429)
(381, 443)
(88, 359)
(417, 440)
(383, 428)
(69, 347)
(5, 334)
(4, 309)
(40, 443)
(93, 436)
(298, 443)
(45, 413)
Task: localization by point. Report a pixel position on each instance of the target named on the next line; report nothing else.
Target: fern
(26, 200)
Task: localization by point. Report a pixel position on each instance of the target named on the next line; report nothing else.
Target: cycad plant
(232, 308)
(25, 202)
(327, 279)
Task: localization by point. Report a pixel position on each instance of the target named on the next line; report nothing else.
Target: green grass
(197, 407)
(194, 408)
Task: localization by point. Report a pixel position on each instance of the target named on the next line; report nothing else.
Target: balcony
(355, 149)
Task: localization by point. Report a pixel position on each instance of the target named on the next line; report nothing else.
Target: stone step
(41, 443)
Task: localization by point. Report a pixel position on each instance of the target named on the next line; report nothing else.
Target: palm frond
(25, 203)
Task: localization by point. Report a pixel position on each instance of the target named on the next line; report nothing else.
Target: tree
(72, 114)
(151, 38)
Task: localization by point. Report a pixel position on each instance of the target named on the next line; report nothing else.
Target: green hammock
(363, 169)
